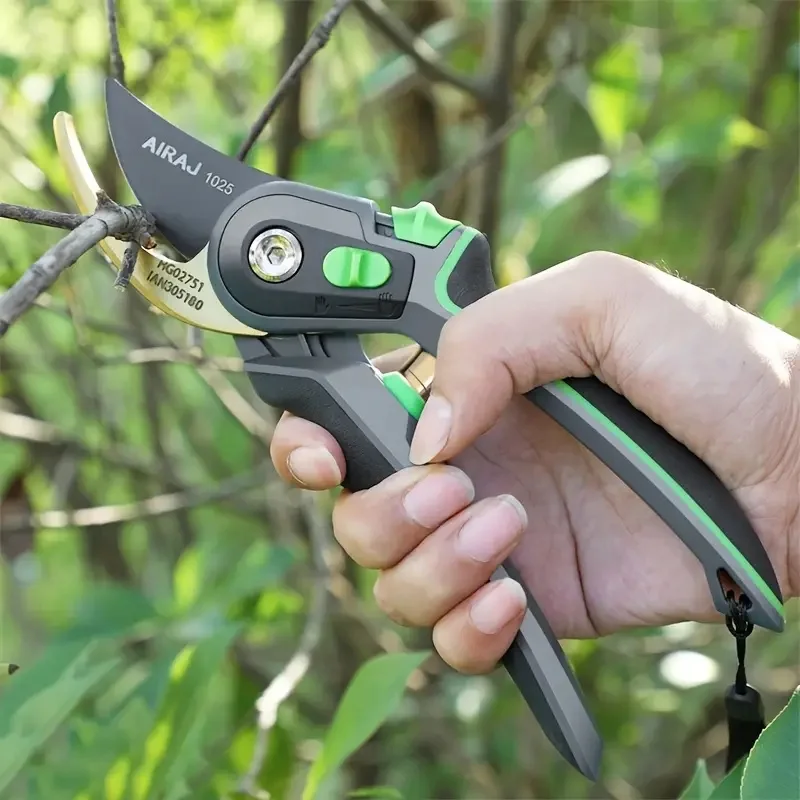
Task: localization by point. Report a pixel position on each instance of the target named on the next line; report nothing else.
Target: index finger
(308, 456)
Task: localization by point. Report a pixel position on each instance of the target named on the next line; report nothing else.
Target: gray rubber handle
(346, 397)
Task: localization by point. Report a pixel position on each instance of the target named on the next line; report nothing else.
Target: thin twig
(115, 51)
(141, 509)
(421, 53)
(38, 432)
(318, 39)
(127, 223)
(171, 355)
(128, 264)
(289, 678)
(37, 216)
(449, 177)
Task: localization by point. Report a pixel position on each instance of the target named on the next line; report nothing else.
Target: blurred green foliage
(146, 632)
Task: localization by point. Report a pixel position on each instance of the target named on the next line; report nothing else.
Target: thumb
(549, 326)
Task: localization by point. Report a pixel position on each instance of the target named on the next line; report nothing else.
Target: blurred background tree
(156, 576)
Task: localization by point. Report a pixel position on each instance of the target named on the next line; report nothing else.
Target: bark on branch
(127, 223)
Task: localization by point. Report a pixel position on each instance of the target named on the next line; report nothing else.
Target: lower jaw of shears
(179, 290)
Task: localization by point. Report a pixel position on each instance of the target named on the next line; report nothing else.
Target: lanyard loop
(743, 706)
(740, 626)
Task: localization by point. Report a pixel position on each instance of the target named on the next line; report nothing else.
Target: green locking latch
(422, 224)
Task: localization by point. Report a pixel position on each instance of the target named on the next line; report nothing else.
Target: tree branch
(126, 512)
(423, 55)
(127, 223)
(288, 136)
(289, 678)
(115, 51)
(501, 61)
(36, 216)
(726, 206)
(318, 39)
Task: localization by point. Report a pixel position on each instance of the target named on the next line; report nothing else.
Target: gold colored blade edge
(182, 291)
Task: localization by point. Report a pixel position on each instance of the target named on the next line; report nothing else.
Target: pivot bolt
(275, 255)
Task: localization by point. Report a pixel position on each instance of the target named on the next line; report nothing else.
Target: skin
(596, 558)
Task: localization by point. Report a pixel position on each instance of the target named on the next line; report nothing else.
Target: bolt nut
(275, 255)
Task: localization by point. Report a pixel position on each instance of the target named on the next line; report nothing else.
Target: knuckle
(458, 656)
(386, 600)
(457, 333)
(599, 263)
(359, 537)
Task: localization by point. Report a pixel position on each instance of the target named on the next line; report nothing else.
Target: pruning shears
(295, 273)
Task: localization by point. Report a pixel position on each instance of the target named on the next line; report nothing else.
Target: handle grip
(347, 397)
(676, 484)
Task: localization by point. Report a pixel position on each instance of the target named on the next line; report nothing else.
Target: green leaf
(110, 611)
(773, 767)
(636, 193)
(8, 65)
(261, 566)
(380, 792)
(612, 97)
(42, 696)
(60, 99)
(370, 699)
(174, 748)
(701, 785)
(187, 579)
(729, 788)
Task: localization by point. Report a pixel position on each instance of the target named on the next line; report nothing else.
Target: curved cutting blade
(179, 290)
(182, 182)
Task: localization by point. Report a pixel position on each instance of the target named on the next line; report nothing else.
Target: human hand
(593, 554)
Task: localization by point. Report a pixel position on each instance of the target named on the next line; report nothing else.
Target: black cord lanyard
(743, 706)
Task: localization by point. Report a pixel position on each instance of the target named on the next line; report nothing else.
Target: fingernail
(313, 465)
(498, 606)
(438, 496)
(493, 530)
(432, 430)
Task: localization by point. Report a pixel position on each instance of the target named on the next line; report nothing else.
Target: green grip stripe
(440, 283)
(689, 501)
